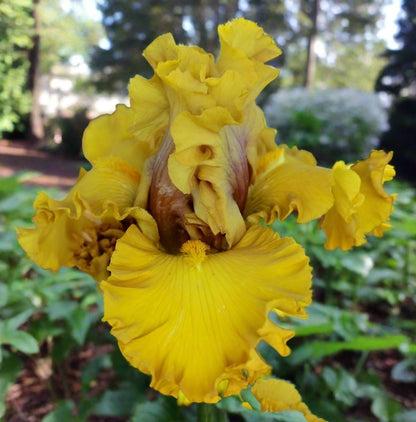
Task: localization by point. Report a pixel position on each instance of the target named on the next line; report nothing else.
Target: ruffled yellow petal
(162, 49)
(361, 205)
(150, 110)
(277, 395)
(249, 38)
(198, 321)
(81, 229)
(289, 180)
(109, 136)
(182, 71)
(244, 49)
(110, 180)
(378, 204)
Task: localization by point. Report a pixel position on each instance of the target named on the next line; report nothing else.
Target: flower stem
(210, 413)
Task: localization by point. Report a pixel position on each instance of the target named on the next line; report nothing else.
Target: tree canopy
(398, 77)
(341, 26)
(15, 40)
(34, 36)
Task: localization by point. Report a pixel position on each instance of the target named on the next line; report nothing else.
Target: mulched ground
(41, 384)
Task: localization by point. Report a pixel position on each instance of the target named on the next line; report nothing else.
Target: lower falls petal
(193, 320)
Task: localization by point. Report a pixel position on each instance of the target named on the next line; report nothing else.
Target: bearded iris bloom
(168, 218)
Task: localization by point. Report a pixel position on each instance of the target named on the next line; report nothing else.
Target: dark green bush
(401, 137)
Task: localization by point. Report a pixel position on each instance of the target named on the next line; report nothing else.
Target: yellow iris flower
(168, 217)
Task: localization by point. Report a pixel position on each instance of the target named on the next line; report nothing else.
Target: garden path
(52, 169)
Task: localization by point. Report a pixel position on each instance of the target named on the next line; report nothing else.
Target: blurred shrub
(401, 137)
(329, 123)
(72, 129)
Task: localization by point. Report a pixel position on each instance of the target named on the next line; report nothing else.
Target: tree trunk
(310, 68)
(36, 129)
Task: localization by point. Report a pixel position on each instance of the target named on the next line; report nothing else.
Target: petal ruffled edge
(109, 136)
(81, 229)
(245, 48)
(203, 341)
(362, 206)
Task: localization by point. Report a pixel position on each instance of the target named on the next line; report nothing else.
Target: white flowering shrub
(327, 122)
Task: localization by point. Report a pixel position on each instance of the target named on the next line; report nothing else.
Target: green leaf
(80, 321)
(20, 340)
(43, 328)
(15, 322)
(406, 416)
(61, 309)
(404, 371)
(62, 413)
(319, 349)
(233, 405)
(309, 330)
(9, 370)
(342, 384)
(116, 403)
(9, 185)
(14, 202)
(385, 408)
(408, 349)
(7, 242)
(358, 262)
(285, 416)
(93, 368)
(4, 294)
(164, 409)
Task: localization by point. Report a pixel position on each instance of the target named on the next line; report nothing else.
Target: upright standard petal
(150, 111)
(110, 136)
(361, 204)
(201, 119)
(196, 323)
(277, 395)
(210, 163)
(289, 180)
(245, 48)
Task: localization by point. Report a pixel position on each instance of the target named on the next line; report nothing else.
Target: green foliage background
(15, 39)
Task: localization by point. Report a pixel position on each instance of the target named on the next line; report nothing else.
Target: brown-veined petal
(210, 163)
